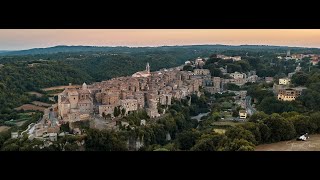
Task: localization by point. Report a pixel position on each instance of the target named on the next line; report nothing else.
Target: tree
(245, 66)
(239, 145)
(265, 132)
(55, 98)
(281, 129)
(11, 147)
(211, 142)
(105, 140)
(239, 132)
(299, 79)
(108, 116)
(104, 115)
(303, 124)
(116, 111)
(232, 87)
(231, 68)
(187, 68)
(123, 111)
(259, 116)
(271, 105)
(314, 118)
(187, 139)
(65, 127)
(204, 145)
(310, 99)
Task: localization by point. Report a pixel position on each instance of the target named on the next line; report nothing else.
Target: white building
(237, 75)
(243, 114)
(284, 81)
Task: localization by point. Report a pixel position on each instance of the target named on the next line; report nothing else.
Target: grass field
(38, 103)
(30, 107)
(311, 144)
(220, 131)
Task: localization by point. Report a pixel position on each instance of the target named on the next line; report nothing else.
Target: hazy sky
(14, 39)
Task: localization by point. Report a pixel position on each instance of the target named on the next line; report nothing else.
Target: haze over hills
(124, 49)
(4, 51)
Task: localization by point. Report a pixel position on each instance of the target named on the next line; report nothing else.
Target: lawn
(4, 128)
(220, 131)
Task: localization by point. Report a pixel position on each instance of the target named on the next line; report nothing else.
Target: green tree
(105, 140)
(116, 111)
(65, 127)
(299, 79)
(281, 129)
(211, 142)
(123, 111)
(255, 130)
(314, 118)
(239, 132)
(187, 139)
(259, 116)
(303, 124)
(239, 145)
(265, 132)
(187, 68)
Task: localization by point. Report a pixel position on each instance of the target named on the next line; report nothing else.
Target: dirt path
(60, 87)
(312, 144)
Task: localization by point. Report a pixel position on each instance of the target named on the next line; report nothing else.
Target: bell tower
(148, 68)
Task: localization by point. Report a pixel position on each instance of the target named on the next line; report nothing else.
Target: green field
(23, 117)
(220, 131)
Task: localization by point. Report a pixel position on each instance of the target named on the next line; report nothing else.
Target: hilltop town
(217, 93)
(146, 90)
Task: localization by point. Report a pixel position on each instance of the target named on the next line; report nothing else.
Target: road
(249, 108)
(47, 113)
(29, 127)
(199, 116)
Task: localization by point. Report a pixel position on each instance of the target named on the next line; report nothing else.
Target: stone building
(202, 72)
(143, 90)
(290, 94)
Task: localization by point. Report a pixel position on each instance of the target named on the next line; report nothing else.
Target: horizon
(25, 39)
(179, 45)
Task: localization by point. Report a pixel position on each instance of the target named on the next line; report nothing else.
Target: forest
(20, 74)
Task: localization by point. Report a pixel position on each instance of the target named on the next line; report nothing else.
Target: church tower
(84, 86)
(148, 68)
(288, 53)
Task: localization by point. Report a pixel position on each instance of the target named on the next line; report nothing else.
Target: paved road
(199, 116)
(250, 109)
(29, 127)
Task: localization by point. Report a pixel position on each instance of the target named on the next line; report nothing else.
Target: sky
(18, 39)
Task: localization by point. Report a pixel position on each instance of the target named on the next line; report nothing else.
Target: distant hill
(123, 49)
(4, 51)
